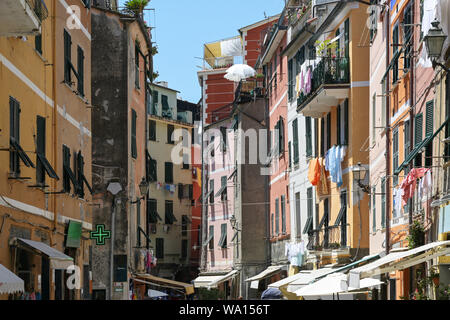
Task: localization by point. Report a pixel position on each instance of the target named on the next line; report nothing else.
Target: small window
(38, 43)
(68, 175)
(152, 130)
(169, 216)
(42, 164)
(159, 248)
(169, 172)
(223, 236)
(170, 129)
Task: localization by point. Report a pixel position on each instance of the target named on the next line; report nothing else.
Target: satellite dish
(114, 188)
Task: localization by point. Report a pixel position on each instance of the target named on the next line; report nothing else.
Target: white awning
(206, 281)
(9, 282)
(58, 260)
(306, 278)
(333, 283)
(288, 280)
(270, 271)
(224, 278)
(398, 261)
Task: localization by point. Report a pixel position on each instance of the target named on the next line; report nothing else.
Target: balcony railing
(329, 238)
(39, 8)
(328, 71)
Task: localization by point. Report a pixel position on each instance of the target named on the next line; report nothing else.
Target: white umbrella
(239, 72)
(156, 294)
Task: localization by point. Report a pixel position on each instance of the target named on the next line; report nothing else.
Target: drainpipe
(388, 152)
(111, 261)
(412, 120)
(54, 115)
(203, 257)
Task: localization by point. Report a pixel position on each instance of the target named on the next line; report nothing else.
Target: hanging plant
(416, 237)
(323, 47)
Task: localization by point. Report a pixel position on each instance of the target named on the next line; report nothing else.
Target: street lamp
(143, 187)
(359, 174)
(434, 41)
(233, 223)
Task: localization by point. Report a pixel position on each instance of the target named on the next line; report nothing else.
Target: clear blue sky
(182, 27)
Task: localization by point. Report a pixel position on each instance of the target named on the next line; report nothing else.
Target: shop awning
(333, 283)
(161, 282)
(270, 271)
(213, 281)
(398, 261)
(10, 282)
(58, 260)
(306, 279)
(419, 147)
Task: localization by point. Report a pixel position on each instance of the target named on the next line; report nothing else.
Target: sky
(181, 28)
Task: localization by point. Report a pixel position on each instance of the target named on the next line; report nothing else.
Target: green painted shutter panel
(308, 130)
(191, 191)
(383, 202)
(346, 122)
(281, 135)
(290, 154)
(295, 135)
(159, 248)
(395, 49)
(406, 134)
(67, 55)
(38, 43)
(328, 131)
(418, 129)
(283, 214)
(347, 37)
(290, 80)
(338, 125)
(133, 134)
(169, 172)
(180, 190)
(395, 155)
(40, 149)
(277, 216)
(374, 210)
(73, 239)
(152, 130)
(211, 236)
(80, 174)
(170, 129)
(429, 118)
(155, 102)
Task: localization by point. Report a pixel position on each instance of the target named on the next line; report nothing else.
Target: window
(309, 220)
(152, 130)
(159, 248)
(165, 106)
(395, 155)
(395, 44)
(133, 134)
(223, 189)
(290, 80)
(280, 127)
(68, 175)
(283, 215)
(80, 72)
(81, 179)
(383, 202)
(168, 172)
(42, 164)
(186, 161)
(137, 72)
(223, 236)
(407, 34)
(154, 110)
(67, 56)
(298, 216)
(38, 43)
(308, 130)
(277, 216)
(152, 211)
(407, 137)
(169, 217)
(184, 224)
(374, 210)
(342, 218)
(295, 136)
(170, 129)
(211, 191)
(223, 137)
(211, 237)
(418, 137)
(16, 152)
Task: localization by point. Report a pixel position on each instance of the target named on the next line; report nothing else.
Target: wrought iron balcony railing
(328, 71)
(328, 238)
(39, 8)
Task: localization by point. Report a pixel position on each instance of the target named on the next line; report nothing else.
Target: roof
(259, 23)
(160, 86)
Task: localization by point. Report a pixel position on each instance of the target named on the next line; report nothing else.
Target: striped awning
(9, 282)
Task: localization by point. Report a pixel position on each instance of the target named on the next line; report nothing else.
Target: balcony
(330, 82)
(22, 17)
(329, 238)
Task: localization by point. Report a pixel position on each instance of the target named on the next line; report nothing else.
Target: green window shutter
(418, 129)
(281, 135)
(169, 217)
(223, 236)
(283, 215)
(347, 37)
(80, 174)
(66, 166)
(170, 129)
(40, 149)
(211, 190)
(322, 137)
(338, 125)
(180, 191)
(73, 239)
(223, 132)
(395, 155)
(429, 118)
(38, 43)
(406, 134)
(14, 133)
(277, 216)
(308, 130)
(395, 42)
(152, 211)
(223, 182)
(407, 30)
(290, 154)
(133, 134)
(153, 168)
(191, 191)
(152, 130)
(165, 105)
(290, 80)
(346, 122)
(328, 131)
(211, 236)
(155, 102)
(169, 172)
(80, 71)
(295, 135)
(383, 202)
(137, 72)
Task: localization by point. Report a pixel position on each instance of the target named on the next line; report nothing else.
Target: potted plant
(416, 237)
(434, 276)
(136, 6)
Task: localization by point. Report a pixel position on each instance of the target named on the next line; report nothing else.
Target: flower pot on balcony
(436, 280)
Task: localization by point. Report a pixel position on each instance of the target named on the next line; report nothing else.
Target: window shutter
(38, 43)
(395, 42)
(211, 236)
(211, 190)
(295, 135)
(180, 191)
(395, 154)
(67, 56)
(374, 211)
(407, 20)
(322, 136)
(429, 118)
(160, 248)
(281, 136)
(40, 149)
(277, 215)
(80, 173)
(308, 130)
(406, 134)
(191, 191)
(338, 125)
(383, 202)
(290, 80)
(418, 129)
(169, 172)
(346, 121)
(14, 133)
(80, 65)
(328, 131)
(133, 134)
(152, 130)
(170, 129)
(155, 103)
(223, 132)
(290, 151)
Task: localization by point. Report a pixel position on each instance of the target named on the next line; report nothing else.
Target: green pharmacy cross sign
(100, 234)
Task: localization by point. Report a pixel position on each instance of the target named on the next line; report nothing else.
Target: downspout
(203, 257)
(111, 261)
(54, 115)
(146, 71)
(412, 120)
(267, 189)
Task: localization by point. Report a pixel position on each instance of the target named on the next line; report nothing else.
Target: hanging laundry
(314, 171)
(323, 186)
(426, 186)
(339, 154)
(398, 194)
(297, 84)
(308, 81)
(172, 189)
(302, 81)
(409, 183)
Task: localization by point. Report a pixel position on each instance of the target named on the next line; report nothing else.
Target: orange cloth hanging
(323, 187)
(314, 171)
